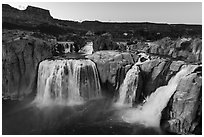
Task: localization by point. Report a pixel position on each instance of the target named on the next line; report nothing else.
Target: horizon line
(104, 21)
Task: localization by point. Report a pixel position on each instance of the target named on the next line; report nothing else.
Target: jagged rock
(176, 65)
(20, 61)
(127, 56)
(197, 48)
(186, 49)
(185, 104)
(151, 71)
(183, 113)
(148, 66)
(154, 49)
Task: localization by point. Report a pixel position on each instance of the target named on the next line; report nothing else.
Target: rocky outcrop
(38, 13)
(20, 61)
(157, 72)
(183, 112)
(110, 62)
(184, 109)
(186, 49)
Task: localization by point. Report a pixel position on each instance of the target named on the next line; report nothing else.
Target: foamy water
(129, 87)
(127, 91)
(149, 113)
(67, 82)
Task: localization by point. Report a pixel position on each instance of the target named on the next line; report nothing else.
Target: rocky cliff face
(36, 12)
(108, 62)
(182, 113)
(20, 60)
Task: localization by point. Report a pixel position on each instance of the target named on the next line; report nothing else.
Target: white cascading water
(149, 113)
(67, 82)
(87, 49)
(127, 90)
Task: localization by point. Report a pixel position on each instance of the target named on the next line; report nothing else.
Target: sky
(157, 12)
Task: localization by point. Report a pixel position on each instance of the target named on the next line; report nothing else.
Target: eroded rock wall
(20, 61)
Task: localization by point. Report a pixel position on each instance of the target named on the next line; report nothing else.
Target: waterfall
(129, 90)
(67, 82)
(87, 49)
(149, 113)
(129, 87)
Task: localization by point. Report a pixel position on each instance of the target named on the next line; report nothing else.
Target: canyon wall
(20, 63)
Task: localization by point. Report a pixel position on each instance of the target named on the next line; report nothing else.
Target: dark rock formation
(38, 13)
(30, 14)
(20, 61)
(105, 42)
(32, 17)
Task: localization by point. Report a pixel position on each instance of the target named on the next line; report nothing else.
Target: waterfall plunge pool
(96, 117)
